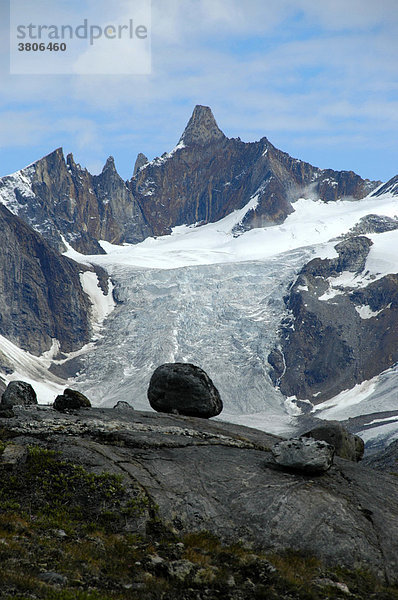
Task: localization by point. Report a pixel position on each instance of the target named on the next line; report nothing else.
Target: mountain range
(276, 276)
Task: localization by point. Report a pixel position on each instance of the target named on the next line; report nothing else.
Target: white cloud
(343, 14)
(329, 73)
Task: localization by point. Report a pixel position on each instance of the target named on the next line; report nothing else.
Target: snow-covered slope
(312, 224)
(205, 296)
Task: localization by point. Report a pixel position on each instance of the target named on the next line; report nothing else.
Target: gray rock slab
(219, 477)
(304, 454)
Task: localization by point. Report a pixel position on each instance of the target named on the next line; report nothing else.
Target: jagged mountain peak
(141, 160)
(391, 187)
(70, 161)
(202, 128)
(73, 166)
(109, 165)
(56, 156)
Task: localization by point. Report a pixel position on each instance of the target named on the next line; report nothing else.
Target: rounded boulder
(346, 444)
(18, 393)
(185, 389)
(71, 400)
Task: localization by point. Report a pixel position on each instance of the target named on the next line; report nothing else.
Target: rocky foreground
(116, 503)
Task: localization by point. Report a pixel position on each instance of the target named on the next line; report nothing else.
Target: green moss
(61, 494)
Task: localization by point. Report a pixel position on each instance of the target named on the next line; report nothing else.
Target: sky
(319, 79)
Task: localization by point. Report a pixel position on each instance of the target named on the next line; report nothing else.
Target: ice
(209, 296)
(102, 305)
(33, 370)
(378, 394)
(223, 318)
(205, 296)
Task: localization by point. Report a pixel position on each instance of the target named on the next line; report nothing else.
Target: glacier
(204, 294)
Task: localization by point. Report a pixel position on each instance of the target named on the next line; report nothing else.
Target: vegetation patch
(68, 534)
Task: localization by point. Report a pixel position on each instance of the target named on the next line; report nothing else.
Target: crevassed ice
(223, 318)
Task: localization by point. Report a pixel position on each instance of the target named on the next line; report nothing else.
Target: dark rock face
(18, 393)
(41, 293)
(346, 445)
(6, 413)
(184, 389)
(391, 187)
(208, 176)
(141, 160)
(60, 199)
(123, 406)
(374, 224)
(304, 455)
(336, 337)
(384, 460)
(71, 399)
(205, 178)
(214, 476)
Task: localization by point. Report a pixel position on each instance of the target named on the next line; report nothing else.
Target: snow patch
(21, 181)
(33, 370)
(365, 312)
(312, 224)
(159, 160)
(102, 305)
(336, 407)
(291, 407)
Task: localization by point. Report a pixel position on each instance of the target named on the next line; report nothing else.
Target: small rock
(231, 581)
(180, 569)
(155, 560)
(60, 533)
(304, 454)
(137, 586)
(71, 399)
(53, 578)
(122, 405)
(18, 393)
(325, 582)
(13, 454)
(183, 388)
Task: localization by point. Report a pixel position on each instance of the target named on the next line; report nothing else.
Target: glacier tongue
(221, 317)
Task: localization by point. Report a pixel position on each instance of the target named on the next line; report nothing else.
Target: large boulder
(70, 400)
(304, 455)
(18, 393)
(183, 388)
(346, 445)
(121, 405)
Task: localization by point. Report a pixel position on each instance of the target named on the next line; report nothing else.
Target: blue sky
(319, 79)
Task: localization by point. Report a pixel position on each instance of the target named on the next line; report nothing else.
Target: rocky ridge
(208, 175)
(205, 177)
(42, 298)
(64, 202)
(336, 336)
